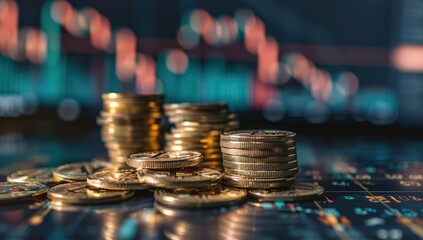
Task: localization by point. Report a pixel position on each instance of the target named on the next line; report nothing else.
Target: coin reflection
(189, 224)
(260, 221)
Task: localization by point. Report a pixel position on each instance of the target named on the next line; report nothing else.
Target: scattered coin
(32, 175)
(217, 196)
(18, 192)
(199, 178)
(82, 193)
(123, 179)
(74, 172)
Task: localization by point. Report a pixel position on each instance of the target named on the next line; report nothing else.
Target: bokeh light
(187, 37)
(200, 21)
(68, 109)
(241, 16)
(274, 109)
(177, 61)
(317, 112)
(254, 33)
(347, 83)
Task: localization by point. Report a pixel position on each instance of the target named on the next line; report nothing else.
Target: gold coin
(288, 173)
(124, 179)
(217, 196)
(256, 183)
(132, 104)
(32, 175)
(300, 191)
(132, 137)
(178, 132)
(133, 111)
(260, 166)
(13, 192)
(142, 128)
(258, 135)
(123, 121)
(192, 139)
(203, 150)
(137, 147)
(195, 106)
(202, 125)
(132, 97)
(180, 178)
(259, 152)
(139, 116)
(74, 172)
(202, 118)
(257, 145)
(119, 159)
(266, 159)
(164, 160)
(177, 145)
(127, 133)
(206, 128)
(82, 193)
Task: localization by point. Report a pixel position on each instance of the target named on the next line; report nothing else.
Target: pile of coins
(180, 182)
(259, 159)
(197, 127)
(131, 123)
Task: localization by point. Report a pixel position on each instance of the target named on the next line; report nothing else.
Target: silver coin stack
(197, 127)
(259, 159)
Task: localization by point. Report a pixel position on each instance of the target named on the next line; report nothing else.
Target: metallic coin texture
(287, 173)
(124, 179)
(82, 193)
(12, 192)
(259, 152)
(260, 166)
(164, 160)
(267, 159)
(32, 175)
(180, 178)
(258, 135)
(74, 172)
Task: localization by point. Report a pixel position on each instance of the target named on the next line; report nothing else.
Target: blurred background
(301, 63)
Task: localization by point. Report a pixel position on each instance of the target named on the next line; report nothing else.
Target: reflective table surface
(373, 191)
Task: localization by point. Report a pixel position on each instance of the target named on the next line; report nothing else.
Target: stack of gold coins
(197, 127)
(259, 159)
(131, 123)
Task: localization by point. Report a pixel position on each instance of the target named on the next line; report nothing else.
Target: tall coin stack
(197, 127)
(131, 123)
(259, 159)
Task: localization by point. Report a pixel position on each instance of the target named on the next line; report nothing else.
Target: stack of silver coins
(259, 159)
(131, 123)
(197, 127)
